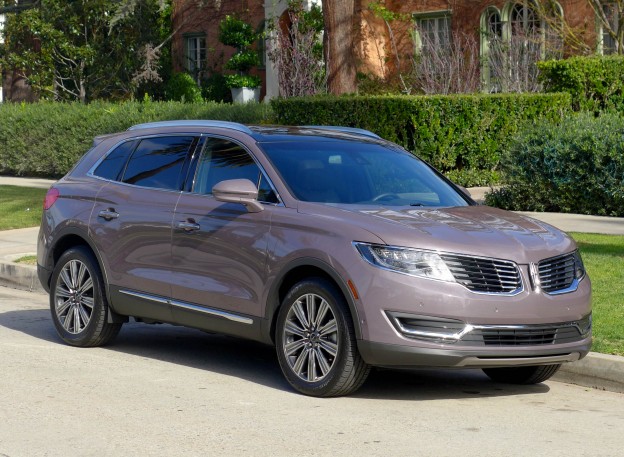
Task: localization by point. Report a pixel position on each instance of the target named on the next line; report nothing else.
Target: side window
(223, 159)
(113, 164)
(158, 162)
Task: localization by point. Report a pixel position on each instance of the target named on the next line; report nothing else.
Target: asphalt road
(168, 391)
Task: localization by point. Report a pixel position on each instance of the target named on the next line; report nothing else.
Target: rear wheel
(522, 375)
(316, 345)
(77, 300)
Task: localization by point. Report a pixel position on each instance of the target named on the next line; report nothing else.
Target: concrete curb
(18, 276)
(598, 371)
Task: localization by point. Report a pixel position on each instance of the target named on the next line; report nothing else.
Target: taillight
(50, 198)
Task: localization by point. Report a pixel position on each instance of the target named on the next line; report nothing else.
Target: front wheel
(316, 345)
(522, 375)
(78, 302)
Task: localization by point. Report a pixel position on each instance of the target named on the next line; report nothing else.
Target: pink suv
(341, 249)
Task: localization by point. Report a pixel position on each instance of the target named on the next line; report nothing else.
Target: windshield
(357, 172)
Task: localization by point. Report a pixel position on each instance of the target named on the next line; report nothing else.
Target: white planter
(245, 94)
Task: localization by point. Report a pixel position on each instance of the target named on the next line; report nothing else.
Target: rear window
(113, 164)
(158, 162)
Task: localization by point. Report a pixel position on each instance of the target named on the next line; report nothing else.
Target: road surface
(169, 391)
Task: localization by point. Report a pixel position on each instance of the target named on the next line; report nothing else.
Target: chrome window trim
(91, 171)
(179, 304)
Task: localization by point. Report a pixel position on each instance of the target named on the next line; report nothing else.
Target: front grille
(484, 275)
(557, 273)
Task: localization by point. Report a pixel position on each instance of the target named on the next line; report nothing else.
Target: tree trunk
(339, 47)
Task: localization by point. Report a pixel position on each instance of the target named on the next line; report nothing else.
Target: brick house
(196, 47)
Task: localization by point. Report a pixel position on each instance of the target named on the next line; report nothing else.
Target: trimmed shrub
(576, 166)
(462, 135)
(183, 88)
(46, 139)
(214, 88)
(595, 83)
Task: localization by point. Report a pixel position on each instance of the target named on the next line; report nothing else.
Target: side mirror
(241, 191)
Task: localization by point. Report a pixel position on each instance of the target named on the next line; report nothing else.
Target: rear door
(131, 222)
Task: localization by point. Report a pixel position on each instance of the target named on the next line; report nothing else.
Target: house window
(512, 42)
(1, 28)
(433, 30)
(262, 45)
(195, 47)
(611, 13)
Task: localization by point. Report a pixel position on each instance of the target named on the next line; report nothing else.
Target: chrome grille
(557, 273)
(484, 275)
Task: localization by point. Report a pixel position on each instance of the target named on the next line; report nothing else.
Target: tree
(75, 51)
(339, 41)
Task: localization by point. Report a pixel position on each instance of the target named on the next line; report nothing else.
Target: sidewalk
(600, 371)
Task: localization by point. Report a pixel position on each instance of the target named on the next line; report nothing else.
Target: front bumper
(401, 356)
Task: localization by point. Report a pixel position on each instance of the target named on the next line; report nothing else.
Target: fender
(273, 302)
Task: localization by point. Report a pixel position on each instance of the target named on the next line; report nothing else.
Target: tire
(77, 300)
(318, 358)
(522, 375)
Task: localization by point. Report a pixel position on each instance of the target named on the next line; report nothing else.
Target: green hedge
(595, 83)
(461, 135)
(576, 166)
(46, 139)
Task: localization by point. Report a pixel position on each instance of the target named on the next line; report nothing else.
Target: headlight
(579, 268)
(425, 264)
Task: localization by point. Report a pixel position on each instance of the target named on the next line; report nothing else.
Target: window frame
(195, 61)
(420, 17)
(189, 186)
(601, 33)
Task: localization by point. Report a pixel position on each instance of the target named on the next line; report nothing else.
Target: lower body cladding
(441, 342)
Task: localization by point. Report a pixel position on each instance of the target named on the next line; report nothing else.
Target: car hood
(472, 230)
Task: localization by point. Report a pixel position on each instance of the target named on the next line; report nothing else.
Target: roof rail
(194, 123)
(343, 129)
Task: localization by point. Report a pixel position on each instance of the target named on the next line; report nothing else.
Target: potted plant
(240, 35)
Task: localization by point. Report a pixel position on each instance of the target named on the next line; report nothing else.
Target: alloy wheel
(73, 297)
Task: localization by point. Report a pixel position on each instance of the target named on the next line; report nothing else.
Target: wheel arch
(71, 237)
(295, 272)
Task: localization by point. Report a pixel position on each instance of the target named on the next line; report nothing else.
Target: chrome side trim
(153, 298)
(189, 306)
(212, 311)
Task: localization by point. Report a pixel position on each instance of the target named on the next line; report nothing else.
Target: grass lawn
(603, 256)
(20, 207)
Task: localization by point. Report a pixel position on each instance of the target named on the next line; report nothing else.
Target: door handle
(108, 214)
(188, 226)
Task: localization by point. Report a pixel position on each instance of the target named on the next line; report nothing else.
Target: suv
(341, 249)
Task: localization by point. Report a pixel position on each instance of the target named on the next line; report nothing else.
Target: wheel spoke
(329, 328)
(83, 315)
(88, 302)
(62, 308)
(73, 271)
(87, 285)
(300, 362)
(323, 363)
(311, 365)
(292, 328)
(80, 277)
(311, 308)
(320, 315)
(77, 325)
(329, 347)
(67, 323)
(300, 313)
(291, 348)
(62, 292)
(66, 279)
